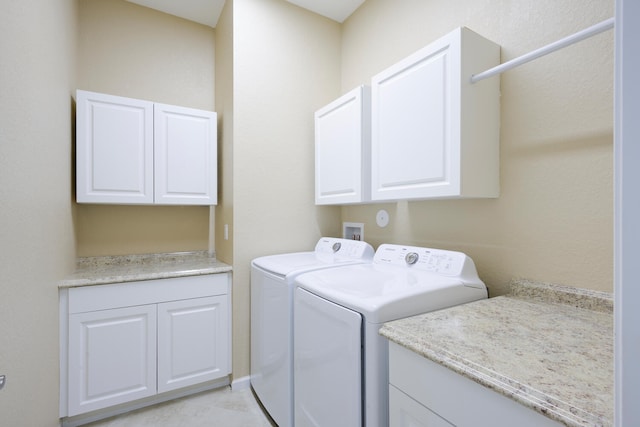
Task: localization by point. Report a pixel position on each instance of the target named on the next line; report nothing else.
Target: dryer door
(327, 362)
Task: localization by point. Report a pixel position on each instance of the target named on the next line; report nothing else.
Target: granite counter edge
(134, 268)
(105, 280)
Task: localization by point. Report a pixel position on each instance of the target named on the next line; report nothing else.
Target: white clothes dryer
(340, 361)
(272, 283)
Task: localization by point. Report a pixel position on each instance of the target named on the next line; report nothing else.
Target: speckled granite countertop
(130, 268)
(547, 347)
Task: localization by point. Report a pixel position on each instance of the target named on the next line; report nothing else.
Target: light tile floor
(217, 408)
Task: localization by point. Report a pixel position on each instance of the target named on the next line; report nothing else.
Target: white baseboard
(82, 419)
(241, 383)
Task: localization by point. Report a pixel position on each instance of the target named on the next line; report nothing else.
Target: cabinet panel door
(185, 156)
(114, 149)
(413, 151)
(112, 357)
(342, 149)
(193, 341)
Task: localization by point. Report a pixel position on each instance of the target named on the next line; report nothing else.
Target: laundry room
(266, 67)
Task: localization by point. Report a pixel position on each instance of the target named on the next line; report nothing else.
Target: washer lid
(382, 293)
(285, 264)
(329, 251)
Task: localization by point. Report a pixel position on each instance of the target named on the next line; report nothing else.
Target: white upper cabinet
(434, 133)
(131, 151)
(342, 150)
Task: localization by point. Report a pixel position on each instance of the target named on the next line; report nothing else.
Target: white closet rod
(545, 50)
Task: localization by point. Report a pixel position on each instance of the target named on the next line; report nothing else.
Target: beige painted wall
(286, 65)
(553, 221)
(133, 51)
(224, 107)
(37, 247)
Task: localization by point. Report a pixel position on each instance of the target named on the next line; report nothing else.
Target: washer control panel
(344, 248)
(448, 263)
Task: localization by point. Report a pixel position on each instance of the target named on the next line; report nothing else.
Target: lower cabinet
(423, 393)
(129, 341)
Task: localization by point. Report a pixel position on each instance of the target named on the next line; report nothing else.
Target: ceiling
(207, 12)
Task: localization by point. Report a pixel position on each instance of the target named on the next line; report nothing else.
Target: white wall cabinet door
(112, 357)
(342, 149)
(434, 133)
(114, 150)
(131, 151)
(185, 156)
(193, 342)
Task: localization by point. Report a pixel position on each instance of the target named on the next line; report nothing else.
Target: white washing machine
(341, 369)
(272, 283)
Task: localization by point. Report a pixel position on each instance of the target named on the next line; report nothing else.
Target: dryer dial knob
(411, 258)
(336, 246)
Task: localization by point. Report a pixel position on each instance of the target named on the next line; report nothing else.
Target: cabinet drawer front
(454, 397)
(101, 297)
(406, 412)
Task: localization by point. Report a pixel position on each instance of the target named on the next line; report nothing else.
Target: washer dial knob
(411, 258)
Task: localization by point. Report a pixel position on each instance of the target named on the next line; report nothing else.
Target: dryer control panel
(446, 263)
